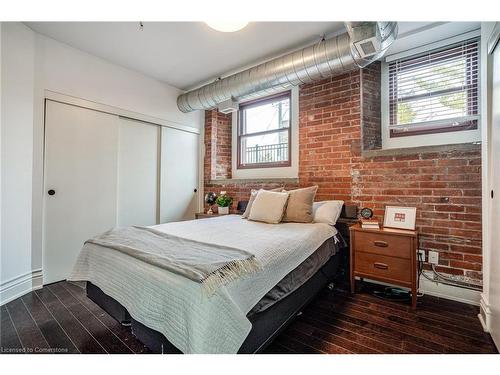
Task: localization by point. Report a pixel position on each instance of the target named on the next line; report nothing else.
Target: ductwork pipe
(363, 43)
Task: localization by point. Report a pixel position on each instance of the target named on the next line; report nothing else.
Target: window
(264, 132)
(435, 92)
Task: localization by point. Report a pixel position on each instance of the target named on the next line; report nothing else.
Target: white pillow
(327, 211)
(268, 207)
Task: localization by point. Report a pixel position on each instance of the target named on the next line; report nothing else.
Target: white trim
(486, 123)
(432, 46)
(20, 285)
(453, 293)
(68, 99)
(281, 172)
(201, 166)
(464, 136)
(484, 313)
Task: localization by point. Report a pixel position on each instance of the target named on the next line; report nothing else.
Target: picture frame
(400, 217)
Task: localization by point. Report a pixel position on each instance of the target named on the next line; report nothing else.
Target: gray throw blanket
(208, 264)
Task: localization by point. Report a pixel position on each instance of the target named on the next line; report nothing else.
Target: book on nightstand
(370, 224)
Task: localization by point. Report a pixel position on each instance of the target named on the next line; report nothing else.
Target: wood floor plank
(276, 348)
(124, 333)
(366, 320)
(359, 340)
(9, 339)
(376, 332)
(425, 308)
(82, 339)
(390, 342)
(436, 335)
(335, 337)
(56, 337)
(315, 342)
(336, 322)
(294, 344)
(108, 340)
(467, 336)
(30, 335)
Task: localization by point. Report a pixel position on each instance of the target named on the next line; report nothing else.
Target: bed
(170, 313)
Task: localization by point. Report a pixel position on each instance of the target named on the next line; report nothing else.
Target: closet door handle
(195, 190)
(51, 192)
(381, 266)
(380, 243)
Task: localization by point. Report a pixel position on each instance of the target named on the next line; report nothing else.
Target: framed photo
(400, 217)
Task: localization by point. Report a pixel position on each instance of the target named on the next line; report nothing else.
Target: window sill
(244, 181)
(418, 149)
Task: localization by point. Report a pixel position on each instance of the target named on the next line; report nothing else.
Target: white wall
(41, 63)
(66, 70)
(17, 85)
(486, 123)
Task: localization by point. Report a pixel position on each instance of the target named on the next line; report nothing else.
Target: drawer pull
(380, 243)
(381, 266)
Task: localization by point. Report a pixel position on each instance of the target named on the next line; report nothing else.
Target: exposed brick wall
(444, 185)
(446, 189)
(371, 108)
(218, 140)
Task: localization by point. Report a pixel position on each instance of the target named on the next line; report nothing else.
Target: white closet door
(494, 294)
(138, 152)
(179, 175)
(81, 151)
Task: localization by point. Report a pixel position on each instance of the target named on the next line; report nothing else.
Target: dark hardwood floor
(60, 319)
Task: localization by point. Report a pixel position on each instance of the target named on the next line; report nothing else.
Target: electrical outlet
(421, 255)
(433, 257)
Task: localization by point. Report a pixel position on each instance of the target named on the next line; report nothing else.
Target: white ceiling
(183, 54)
(187, 54)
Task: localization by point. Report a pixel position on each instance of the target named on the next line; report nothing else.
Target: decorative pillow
(268, 207)
(253, 194)
(327, 211)
(299, 208)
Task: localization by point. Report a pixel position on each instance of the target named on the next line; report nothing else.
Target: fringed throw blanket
(207, 264)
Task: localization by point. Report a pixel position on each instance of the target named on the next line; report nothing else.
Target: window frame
(430, 137)
(256, 103)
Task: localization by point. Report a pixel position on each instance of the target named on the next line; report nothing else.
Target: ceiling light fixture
(227, 26)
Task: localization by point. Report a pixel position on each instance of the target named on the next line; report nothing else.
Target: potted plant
(223, 203)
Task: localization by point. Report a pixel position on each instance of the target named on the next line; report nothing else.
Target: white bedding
(176, 306)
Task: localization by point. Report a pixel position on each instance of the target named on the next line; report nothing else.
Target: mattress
(296, 278)
(176, 306)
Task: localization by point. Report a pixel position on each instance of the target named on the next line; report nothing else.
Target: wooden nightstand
(203, 215)
(387, 255)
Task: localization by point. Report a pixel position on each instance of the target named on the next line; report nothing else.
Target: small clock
(366, 213)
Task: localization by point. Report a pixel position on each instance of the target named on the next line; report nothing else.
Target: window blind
(436, 91)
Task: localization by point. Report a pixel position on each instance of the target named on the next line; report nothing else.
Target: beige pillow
(327, 212)
(253, 194)
(299, 208)
(268, 207)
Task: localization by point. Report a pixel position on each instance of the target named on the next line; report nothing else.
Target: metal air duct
(363, 43)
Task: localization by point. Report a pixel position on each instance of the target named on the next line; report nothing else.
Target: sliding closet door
(138, 180)
(81, 152)
(179, 175)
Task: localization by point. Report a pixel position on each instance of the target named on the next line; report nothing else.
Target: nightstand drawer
(383, 244)
(383, 266)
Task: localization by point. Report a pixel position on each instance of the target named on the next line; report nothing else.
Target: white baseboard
(440, 290)
(450, 292)
(484, 313)
(20, 285)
